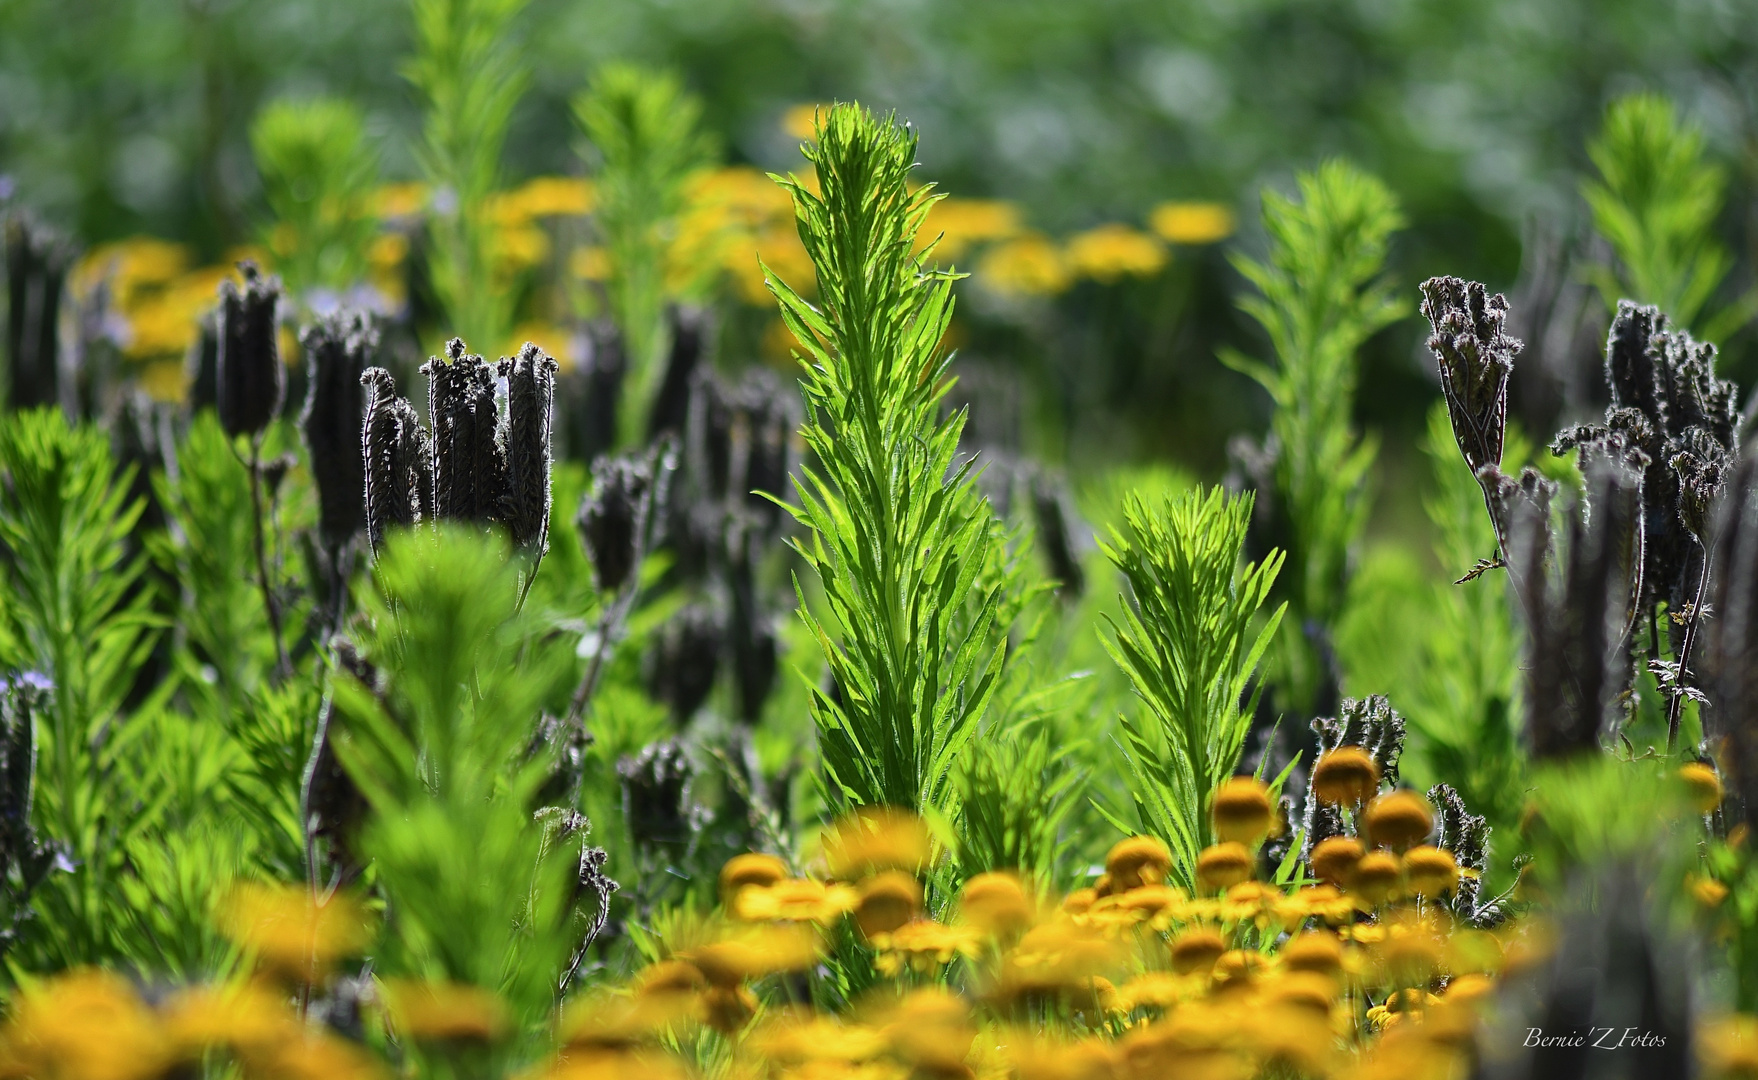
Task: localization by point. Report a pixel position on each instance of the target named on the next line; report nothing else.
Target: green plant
(1188, 643)
(1320, 296)
(1656, 201)
(898, 535)
(318, 170)
(481, 890)
(79, 614)
(471, 76)
(1015, 795)
(647, 132)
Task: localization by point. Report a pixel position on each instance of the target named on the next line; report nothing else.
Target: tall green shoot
(1191, 640)
(1320, 297)
(647, 132)
(896, 534)
(1656, 202)
(318, 170)
(470, 77)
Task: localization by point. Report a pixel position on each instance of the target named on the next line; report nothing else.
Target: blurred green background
(121, 117)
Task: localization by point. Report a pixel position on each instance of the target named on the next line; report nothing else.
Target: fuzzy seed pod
(1221, 866)
(686, 660)
(394, 447)
(1466, 836)
(1334, 860)
(1197, 950)
(1476, 358)
(1138, 861)
(1055, 538)
(530, 405)
(337, 349)
(249, 380)
(1242, 810)
(1730, 656)
(469, 458)
(690, 330)
(36, 269)
(595, 393)
(888, 901)
(1397, 820)
(613, 516)
(202, 365)
(656, 795)
(1376, 877)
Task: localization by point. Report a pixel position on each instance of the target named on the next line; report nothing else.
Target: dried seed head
(690, 331)
(1730, 656)
(1397, 820)
(1466, 836)
(469, 457)
(37, 259)
(530, 379)
(1242, 810)
(338, 348)
(250, 381)
(1476, 358)
(613, 516)
(1334, 859)
(656, 795)
(394, 446)
(1222, 866)
(686, 659)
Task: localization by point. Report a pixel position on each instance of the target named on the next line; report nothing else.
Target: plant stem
(283, 667)
(1676, 707)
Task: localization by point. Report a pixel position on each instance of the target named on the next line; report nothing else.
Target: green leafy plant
(898, 535)
(79, 614)
(1656, 201)
(1191, 641)
(318, 170)
(471, 76)
(646, 130)
(1015, 795)
(1320, 296)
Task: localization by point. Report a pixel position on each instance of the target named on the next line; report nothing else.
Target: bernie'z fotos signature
(1595, 1038)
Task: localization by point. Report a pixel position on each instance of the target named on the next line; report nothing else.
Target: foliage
(898, 534)
(318, 169)
(1191, 642)
(470, 76)
(1320, 296)
(646, 130)
(1656, 200)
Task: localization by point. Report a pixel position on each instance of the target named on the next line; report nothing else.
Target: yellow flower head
(1347, 776)
(923, 945)
(1191, 222)
(1728, 1048)
(1398, 819)
(1110, 253)
(1137, 861)
(88, 1025)
(400, 200)
(800, 121)
(289, 932)
(997, 904)
(250, 1018)
(1222, 866)
(444, 1011)
(1242, 810)
(1027, 265)
(755, 951)
(956, 225)
(1702, 785)
(874, 839)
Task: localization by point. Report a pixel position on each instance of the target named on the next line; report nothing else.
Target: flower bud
(337, 348)
(530, 402)
(469, 460)
(394, 446)
(612, 517)
(249, 381)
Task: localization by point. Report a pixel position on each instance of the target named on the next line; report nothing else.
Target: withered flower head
(337, 350)
(612, 517)
(395, 452)
(530, 378)
(250, 381)
(37, 259)
(469, 455)
(686, 658)
(1476, 358)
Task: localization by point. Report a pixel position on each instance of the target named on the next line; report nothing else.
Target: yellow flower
(1346, 776)
(1028, 265)
(388, 250)
(796, 1037)
(315, 1057)
(436, 1010)
(876, 838)
(1137, 860)
(556, 341)
(1191, 222)
(85, 1025)
(591, 263)
(556, 196)
(291, 933)
(1728, 1048)
(1110, 253)
(997, 904)
(400, 200)
(1708, 892)
(796, 900)
(1397, 820)
(164, 380)
(923, 945)
(752, 952)
(1242, 810)
(1702, 785)
(519, 248)
(959, 224)
(250, 1018)
(131, 266)
(1159, 990)
(1222, 866)
(800, 120)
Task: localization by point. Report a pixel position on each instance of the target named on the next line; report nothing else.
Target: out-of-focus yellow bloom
(1728, 1048)
(520, 247)
(1034, 1057)
(1197, 949)
(796, 900)
(164, 380)
(997, 904)
(1159, 990)
(888, 900)
(1222, 866)
(1346, 776)
(1334, 859)
(1057, 955)
(797, 1037)
(249, 1018)
(590, 263)
(139, 263)
(554, 340)
(387, 251)
(1112, 252)
(400, 200)
(752, 952)
(924, 945)
(1191, 222)
(611, 1022)
(1242, 810)
(448, 1011)
(800, 120)
(1136, 861)
(84, 1025)
(289, 932)
(956, 225)
(1707, 891)
(1027, 265)
(1317, 951)
(876, 838)
(1397, 820)
(315, 1057)
(167, 321)
(750, 869)
(1702, 785)
(1430, 871)
(1376, 878)
(541, 197)
(931, 1029)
